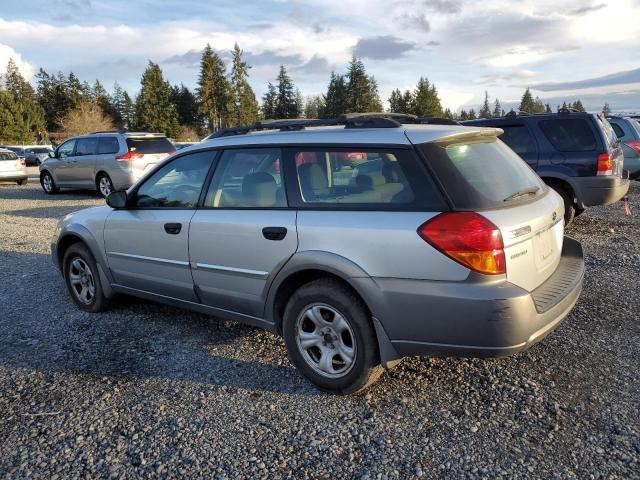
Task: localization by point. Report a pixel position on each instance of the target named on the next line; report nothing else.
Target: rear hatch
(10, 163)
(147, 151)
(615, 165)
(479, 173)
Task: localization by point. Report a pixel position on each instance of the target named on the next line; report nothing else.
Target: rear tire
(104, 184)
(83, 280)
(330, 339)
(569, 208)
(48, 185)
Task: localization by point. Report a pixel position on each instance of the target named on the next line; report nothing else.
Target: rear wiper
(522, 193)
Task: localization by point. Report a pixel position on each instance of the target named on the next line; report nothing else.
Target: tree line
(62, 105)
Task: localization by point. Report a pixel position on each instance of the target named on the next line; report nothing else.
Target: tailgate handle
(172, 228)
(274, 233)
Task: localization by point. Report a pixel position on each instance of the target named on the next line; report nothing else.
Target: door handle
(274, 233)
(172, 228)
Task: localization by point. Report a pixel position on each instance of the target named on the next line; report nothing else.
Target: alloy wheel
(47, 183)
(82, 281)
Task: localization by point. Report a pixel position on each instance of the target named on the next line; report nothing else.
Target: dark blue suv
(577, 154)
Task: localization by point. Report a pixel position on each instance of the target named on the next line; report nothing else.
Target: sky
(562, 49)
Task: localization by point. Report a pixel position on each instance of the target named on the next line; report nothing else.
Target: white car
(12, 167)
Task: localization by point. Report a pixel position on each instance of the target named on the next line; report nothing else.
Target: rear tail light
(23, 162)
(605, 164)
(129, 156)
(469, 239)
(635, 144)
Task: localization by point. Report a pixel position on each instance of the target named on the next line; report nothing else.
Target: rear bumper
(13, 176)
(475, 319)
(591, 191)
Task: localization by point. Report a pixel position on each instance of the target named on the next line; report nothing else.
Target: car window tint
(8, 156)
(66, 148)
(108, 145)
(518, 138)
(569, 134)
(177, 184)
(617, 129)
(87, 146)
(248, 178)
(352, 177)
(150, 145)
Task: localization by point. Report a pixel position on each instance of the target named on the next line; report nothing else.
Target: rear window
(611, 138)
(569, 134)
(8, 156)
(482, 174)
(150, 145)
(518, 138)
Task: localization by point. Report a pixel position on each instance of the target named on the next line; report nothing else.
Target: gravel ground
(149, 390)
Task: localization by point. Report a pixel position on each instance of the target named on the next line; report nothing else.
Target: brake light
(635, 144)
(469, 239)
(605, 164)
(129, 156)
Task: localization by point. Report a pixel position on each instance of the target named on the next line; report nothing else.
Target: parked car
(20, 151)
(448, 244)
(103, 161)
(628, 132)
(36, 155)
(12, 167)
(577, 154)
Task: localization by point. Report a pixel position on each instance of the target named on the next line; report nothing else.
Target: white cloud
(6, 52)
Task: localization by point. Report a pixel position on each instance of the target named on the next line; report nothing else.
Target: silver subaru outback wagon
(360, 243)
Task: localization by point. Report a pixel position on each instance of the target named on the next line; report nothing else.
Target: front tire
(48, 185)
(82, 279)
(330, 339)
(104, 184)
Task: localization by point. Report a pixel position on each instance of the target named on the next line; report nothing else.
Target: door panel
(144, 256)
(231, 259)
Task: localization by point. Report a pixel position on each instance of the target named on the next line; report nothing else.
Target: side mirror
(52, 154)
(117, 199)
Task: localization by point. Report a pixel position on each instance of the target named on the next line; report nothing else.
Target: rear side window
(482, 174)
(150, 145)
(569, 134)
(8, 156)
(352, 177)
(87, 146)
(617, 129)
(518, 138)
(108, 145)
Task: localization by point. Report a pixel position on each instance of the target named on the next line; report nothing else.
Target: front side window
(108, 145)
(352, 177)
(66, 148)
(518, 138)
(248, 178)
(177, 184)
(87, 146)
(569, 134)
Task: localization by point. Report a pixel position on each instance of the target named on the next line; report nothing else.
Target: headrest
(368, 181)
(312, 178)
(390, 172)
(259, 189)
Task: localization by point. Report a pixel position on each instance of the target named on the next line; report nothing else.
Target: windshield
(482, 174)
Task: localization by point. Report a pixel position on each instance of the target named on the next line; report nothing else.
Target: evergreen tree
(362, 90)
(269, 102)
(577, 105)
(286, 105)
(244, 106)
(464, 115)
(117, 102)
(497, 109)
(186, 105)
(128, 112)
(606, 109)
(400, 102)
(100, 96)
(527, 103)
(13, 127)
(314, 107)
(485, 111)
(548, 108)
(426, 102)
(564, 106)
(154, 110)
(213, 92)
(26, 104)
(335, 100)
(448, 114)
(77, 92)
(472, 114)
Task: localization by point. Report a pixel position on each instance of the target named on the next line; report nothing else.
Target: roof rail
(437, 121)
(108, 131)
(568, 110)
